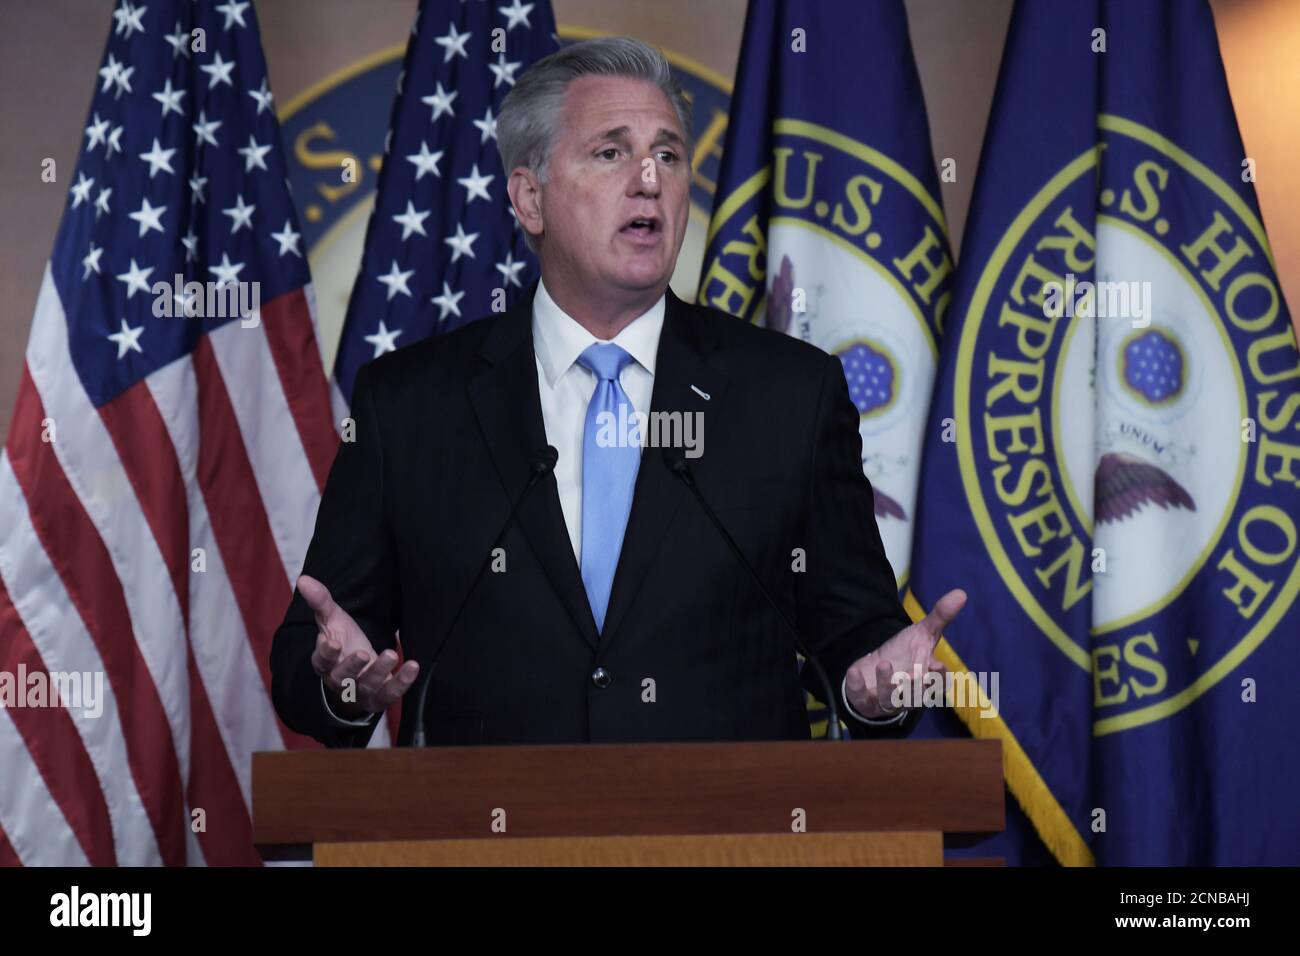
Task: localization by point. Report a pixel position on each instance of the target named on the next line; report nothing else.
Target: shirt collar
(559, 339)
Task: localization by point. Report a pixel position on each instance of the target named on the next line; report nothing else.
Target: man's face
(615, 201)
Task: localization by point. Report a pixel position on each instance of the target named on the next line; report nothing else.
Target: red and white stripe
(221, 454)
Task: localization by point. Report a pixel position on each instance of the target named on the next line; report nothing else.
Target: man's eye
(610, 153)
(668, 156)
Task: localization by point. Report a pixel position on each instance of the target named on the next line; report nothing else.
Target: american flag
(161, 478)
(442, 238)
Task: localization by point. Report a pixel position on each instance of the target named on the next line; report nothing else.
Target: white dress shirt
(566, 389)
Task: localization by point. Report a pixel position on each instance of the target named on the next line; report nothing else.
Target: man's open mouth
(642, 226)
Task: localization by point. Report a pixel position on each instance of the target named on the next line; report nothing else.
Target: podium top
(307, 797)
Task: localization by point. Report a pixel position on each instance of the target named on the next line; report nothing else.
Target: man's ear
(526, 196)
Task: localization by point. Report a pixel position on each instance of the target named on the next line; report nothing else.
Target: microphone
(543, 464)
(677, 464)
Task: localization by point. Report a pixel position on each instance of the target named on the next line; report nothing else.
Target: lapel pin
(703, 395)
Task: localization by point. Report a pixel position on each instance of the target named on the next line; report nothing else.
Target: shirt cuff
(844, 695)
(343, 720)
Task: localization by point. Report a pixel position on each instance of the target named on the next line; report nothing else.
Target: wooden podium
(859, 803)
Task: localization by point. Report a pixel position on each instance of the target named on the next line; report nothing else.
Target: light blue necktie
(608, 474)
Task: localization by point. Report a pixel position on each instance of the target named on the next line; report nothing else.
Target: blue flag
(827, 223)
(1111, 464)
(442, 246)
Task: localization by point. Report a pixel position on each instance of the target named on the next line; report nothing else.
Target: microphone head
(675, 461)
(545, 460)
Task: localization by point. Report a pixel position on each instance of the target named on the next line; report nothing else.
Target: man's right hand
(346, 661)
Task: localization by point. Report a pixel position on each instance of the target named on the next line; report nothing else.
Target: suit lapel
(679, 365)
(509, 410)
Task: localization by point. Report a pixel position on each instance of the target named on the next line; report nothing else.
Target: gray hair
(529, 119)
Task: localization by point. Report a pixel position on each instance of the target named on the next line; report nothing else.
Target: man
(613, 610)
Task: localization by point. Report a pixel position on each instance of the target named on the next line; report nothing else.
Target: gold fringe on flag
(1054, 827)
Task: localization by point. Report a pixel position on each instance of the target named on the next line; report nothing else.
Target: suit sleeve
(847, 597)
(352, 553)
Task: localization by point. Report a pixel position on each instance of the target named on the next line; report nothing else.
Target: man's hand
(344, 653)
(870, 681)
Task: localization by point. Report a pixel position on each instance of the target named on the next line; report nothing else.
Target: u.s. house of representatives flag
(442, 246)
(1112, 464)
(827, 223)
(169, 443)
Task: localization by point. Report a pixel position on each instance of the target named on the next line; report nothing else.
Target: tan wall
(51, 49)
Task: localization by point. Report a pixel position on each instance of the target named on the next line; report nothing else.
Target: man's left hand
(869, 683)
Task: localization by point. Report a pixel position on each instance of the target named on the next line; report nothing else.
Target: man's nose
(645, 181)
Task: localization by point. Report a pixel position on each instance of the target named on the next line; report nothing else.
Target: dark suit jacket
(445, 432)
